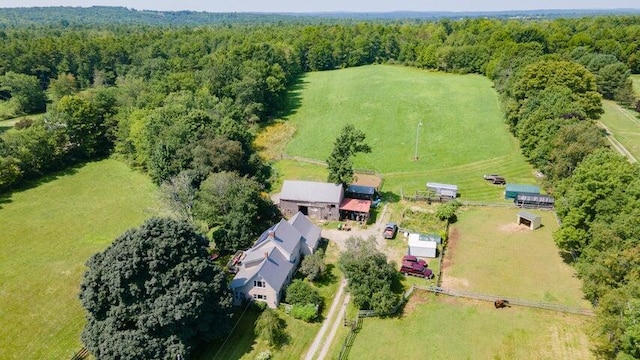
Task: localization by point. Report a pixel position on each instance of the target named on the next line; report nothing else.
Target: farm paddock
(489, 253)
(440, 327)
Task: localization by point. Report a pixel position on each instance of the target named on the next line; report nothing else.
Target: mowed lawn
(489, 253)
(47, 233)
(636, 83)
(440, 327)
(624, 125)
(462, 136)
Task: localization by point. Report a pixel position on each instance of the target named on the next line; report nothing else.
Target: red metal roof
(355, 205)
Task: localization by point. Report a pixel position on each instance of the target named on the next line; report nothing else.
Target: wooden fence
(81, 355)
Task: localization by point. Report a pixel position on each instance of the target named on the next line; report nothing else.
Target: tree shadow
(327, 277)
(294, 99)
(6, 196)
(390, 197)
(240, 342)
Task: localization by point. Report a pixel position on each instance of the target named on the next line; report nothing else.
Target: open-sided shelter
(443, 190)
(355, 209)
(512, 190)
(533, 221)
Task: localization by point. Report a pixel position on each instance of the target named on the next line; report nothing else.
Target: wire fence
(511, 301)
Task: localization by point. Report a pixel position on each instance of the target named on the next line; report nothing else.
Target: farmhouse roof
(273, 268)
(282, 234)
(311, 191)
(442, 186)
(309, 230)
(527, 215)
(356, 205)
(360, 189)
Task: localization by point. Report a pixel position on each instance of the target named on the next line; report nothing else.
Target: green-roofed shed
(513, 190)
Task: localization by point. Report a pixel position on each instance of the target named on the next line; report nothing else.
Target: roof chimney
(272, 234)
(266, 255)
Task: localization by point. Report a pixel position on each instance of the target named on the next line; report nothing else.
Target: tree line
(183, 104)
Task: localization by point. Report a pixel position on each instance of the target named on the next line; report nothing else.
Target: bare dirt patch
(417, 298)
(449, 282)
(367, 180)
(452, 244)
(512, 228)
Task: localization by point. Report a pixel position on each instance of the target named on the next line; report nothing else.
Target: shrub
(313, 265)
(301, 292)
(306, 312)
(447, 211)
(271, 328)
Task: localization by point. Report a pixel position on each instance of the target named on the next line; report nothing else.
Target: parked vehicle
(411, 258)
(416, 269)
(390, 230)
(495, 179)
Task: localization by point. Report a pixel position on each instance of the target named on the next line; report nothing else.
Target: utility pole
(415, 156)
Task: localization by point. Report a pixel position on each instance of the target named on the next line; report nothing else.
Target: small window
(259, 283)
(260, 297)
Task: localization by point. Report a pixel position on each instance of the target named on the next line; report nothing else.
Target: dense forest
(183, 103)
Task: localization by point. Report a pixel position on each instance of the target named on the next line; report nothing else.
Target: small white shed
(422, 247)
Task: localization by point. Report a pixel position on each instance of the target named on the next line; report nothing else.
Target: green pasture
(242, 343)
(624, 125)
(487, 252)
(636, 83)
(47, 233)
(440, 327)
(462, 136)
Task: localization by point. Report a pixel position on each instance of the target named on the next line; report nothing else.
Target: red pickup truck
(416, 269)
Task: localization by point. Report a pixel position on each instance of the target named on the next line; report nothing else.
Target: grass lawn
(462, 135)
(242, 343)
(47, 234)
(440, 327)
(624, 124)
(488, 252)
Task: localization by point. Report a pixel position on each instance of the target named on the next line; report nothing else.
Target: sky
(334, 5)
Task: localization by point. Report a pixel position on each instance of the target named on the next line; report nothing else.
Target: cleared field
(462, 135)
(47, 233)
(489, 253)
(636, 83)
(447, 328)
(624, 125)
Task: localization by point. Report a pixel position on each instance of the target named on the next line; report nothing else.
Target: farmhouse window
(258, 283)
(260, 297)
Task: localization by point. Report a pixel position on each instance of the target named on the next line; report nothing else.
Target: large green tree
(235, 207)
(154, 294)
(371, 278)
(24, 92)
(347, 144)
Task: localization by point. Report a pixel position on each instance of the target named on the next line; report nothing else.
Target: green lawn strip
(463, 135)
(636, 83)
(48, 233)
(624, 124)
(440, 327)
(8, 124)
(488, 252)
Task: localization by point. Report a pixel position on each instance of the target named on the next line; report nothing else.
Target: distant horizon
(337, 6)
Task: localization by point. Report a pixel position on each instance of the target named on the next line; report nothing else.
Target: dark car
(416, 269)
(495, 179)
(390, 230)
(411, 258)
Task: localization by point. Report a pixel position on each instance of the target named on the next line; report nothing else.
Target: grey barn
(317, 200)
